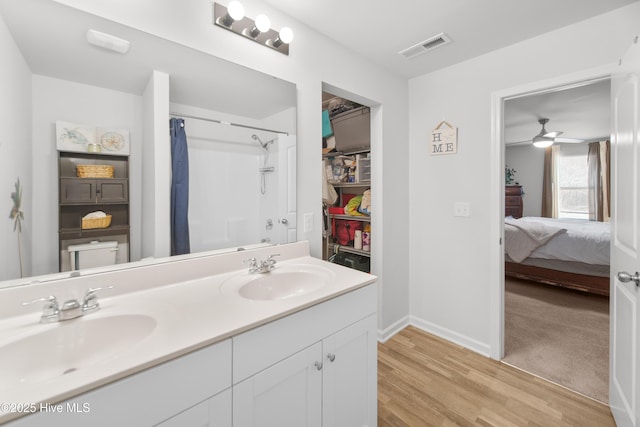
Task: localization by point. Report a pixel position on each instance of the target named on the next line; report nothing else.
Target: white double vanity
(194, 341)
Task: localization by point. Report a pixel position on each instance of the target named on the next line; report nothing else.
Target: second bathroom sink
(283, 282)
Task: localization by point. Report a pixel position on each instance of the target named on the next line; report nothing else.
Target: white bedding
(583, 241)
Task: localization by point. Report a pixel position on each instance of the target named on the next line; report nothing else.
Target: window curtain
(598, 159)
(549, 183)
(179, 189)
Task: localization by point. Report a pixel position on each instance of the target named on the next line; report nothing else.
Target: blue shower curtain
(179, 189)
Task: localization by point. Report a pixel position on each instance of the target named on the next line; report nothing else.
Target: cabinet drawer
(513, 190)
(512, 201)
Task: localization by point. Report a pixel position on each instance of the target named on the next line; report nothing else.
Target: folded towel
(95, 215)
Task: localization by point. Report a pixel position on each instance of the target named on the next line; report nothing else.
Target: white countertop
(188, 315)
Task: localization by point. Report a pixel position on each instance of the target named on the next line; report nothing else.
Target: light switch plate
(462, 209)
(308, 222)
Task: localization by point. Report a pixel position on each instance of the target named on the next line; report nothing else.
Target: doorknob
(284, 221)
(625, 277)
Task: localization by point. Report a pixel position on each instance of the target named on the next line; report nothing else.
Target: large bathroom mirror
(240, 126)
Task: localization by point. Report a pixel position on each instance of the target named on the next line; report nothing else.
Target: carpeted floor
(558, 334)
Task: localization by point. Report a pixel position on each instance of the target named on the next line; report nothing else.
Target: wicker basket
(94, 171)
(96, 222)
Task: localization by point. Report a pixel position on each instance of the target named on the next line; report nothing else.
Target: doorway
(501, 101)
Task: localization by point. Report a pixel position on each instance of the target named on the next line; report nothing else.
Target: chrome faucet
(52, 312)
(263, 266)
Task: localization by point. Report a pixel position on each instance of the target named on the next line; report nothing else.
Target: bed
(562, 252)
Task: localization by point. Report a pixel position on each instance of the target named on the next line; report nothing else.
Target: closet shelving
(351, 126)
(342, 188)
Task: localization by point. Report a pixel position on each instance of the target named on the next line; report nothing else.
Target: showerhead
(264, 145)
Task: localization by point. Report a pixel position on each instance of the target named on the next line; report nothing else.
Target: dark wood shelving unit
(79, 196)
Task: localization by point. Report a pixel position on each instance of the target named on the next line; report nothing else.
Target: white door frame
(496, 197)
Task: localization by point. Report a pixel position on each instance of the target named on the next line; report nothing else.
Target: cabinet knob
(318, 365)
(331, 357)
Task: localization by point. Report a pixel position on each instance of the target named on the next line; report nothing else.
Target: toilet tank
(93, 254)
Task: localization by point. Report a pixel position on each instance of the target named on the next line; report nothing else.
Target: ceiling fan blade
(553, 134)
(508, 144)
(569, 140)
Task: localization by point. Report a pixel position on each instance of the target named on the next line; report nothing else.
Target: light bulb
(263, 23)
(542, 142)
(235, 10)
(286, 35)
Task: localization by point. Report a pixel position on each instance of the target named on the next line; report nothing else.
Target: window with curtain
(576, 181)
(573, 182)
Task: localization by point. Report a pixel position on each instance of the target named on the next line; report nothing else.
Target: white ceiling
(581, 112)
(379, 30)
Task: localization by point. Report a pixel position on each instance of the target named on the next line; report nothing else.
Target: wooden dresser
(513, 201)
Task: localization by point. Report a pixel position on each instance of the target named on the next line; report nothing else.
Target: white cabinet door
(288, 394)
(214, 412)
(349, 390)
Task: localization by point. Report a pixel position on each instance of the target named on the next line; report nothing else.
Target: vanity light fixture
(107, 41)
(235, 12)
(262, 25)
(285, 36)
(259, 30)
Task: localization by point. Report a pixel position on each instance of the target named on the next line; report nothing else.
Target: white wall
(528, 161)
(55, 99)
(156, 168)
(450, 256)
(15, 155)
(311, 62)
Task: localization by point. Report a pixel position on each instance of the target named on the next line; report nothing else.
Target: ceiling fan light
(542, 141)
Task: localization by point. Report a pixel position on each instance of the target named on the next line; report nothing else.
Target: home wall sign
(444, 139)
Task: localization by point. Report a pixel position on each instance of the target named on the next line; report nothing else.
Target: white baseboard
(472, 344)
(384, 335)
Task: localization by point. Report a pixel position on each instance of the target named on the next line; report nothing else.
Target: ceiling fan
(545, 139)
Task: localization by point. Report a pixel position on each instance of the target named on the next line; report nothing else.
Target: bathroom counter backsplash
(188, 299)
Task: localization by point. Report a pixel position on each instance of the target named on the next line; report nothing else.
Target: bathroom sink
(70, 346)
(283, 282)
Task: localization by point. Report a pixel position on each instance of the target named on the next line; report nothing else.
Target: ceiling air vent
(425, 46)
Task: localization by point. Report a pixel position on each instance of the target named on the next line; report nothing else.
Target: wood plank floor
(424, 380)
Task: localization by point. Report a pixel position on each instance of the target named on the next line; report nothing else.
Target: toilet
(93, 254)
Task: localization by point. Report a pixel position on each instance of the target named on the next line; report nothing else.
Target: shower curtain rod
(222, 122)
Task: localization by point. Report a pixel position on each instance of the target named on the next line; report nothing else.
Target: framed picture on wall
(74, 137)
(113, 141)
